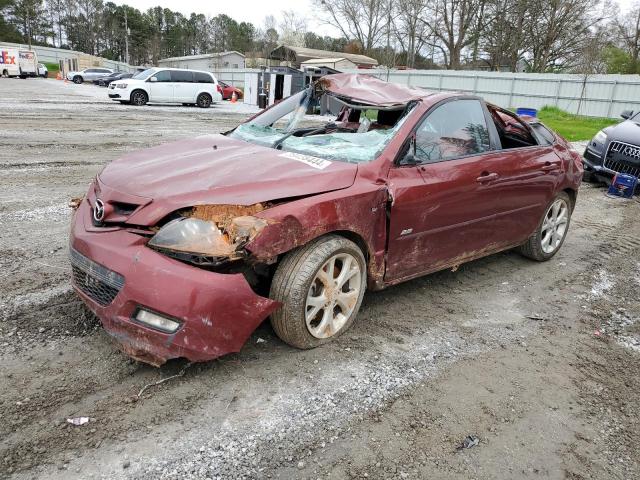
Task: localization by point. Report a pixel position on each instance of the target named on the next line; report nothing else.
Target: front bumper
(218, 312)
(592, 162)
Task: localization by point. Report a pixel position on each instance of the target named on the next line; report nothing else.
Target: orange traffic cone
(234, 97)
(59, 76)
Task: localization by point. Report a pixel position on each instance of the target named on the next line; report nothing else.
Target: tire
(78, 80)
(139, 98)
(204, 100)
(589, 177)
(45, 75)
(534, 248)
(298, 279)
(5, 73)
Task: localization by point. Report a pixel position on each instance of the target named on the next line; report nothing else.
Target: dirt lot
(540, 362)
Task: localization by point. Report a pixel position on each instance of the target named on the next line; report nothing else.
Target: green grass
(51, 66)
(573, 127)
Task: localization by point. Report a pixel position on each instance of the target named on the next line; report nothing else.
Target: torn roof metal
(369, 90)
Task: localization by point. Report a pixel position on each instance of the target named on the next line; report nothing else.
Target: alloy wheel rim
(554, 226)
(204, 101)
(333, 295)
(138, 98)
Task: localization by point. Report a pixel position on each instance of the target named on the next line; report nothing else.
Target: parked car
(167, 85)
(88, 74)
(228, 90)
(105, 81)
(183, 249)
(614, 149)
(43, 71)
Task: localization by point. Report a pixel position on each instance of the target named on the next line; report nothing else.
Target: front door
(161, 90)
(442, 209)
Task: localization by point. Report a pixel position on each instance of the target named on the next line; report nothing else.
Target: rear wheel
(77, 80)
(552, 230)
(139, 98)
(320, 286)
(204, 100)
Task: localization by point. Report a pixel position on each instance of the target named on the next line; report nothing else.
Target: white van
(167, 85)
(18, 63)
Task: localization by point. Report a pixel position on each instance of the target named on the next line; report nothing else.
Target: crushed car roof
(370, 90)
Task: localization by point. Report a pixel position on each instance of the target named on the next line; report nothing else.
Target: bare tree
(365, 21)
(560, 30)
(628, 31)
(454, 26)
(292, 28)
(409, 28)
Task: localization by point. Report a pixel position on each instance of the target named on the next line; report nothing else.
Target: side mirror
(627, 114)
(409, 157)
(153, 79)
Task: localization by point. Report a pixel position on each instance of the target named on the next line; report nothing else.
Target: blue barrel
(531, 112)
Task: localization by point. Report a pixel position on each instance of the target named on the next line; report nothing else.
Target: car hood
(214, 169)
(627, 131)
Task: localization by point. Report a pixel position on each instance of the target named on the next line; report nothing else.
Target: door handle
(487, 177)
(549, 167)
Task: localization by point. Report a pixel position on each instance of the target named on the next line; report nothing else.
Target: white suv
(88, 74)
(167, 85)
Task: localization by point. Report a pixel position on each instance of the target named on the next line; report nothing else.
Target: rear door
(161, 90)
(183, 86)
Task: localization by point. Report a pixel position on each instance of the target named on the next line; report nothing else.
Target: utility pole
(126, 37)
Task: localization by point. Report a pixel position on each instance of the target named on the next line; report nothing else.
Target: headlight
(600, 137)
(204, 237)
(191, 235)
(122, 85)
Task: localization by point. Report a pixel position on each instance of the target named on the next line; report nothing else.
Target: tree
(454, 25)
(628, 33)
(364, 21)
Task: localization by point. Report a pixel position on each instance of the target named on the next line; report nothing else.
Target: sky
(254, 11)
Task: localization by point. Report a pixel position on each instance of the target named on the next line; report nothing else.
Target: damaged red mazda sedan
(182, 250)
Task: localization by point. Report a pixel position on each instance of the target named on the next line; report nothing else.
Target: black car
(614, 149)
(105, 81)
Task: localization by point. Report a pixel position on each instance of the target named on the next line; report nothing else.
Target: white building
(209, 62)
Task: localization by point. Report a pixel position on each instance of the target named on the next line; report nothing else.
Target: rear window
(181, 76)
(201, 77)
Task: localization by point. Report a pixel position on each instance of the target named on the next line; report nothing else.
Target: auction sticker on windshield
(315, 162)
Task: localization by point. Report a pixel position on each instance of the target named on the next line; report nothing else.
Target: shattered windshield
(356, 135)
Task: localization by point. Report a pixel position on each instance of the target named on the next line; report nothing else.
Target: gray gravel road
(503, 348)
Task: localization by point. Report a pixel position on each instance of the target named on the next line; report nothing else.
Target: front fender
(359, 212)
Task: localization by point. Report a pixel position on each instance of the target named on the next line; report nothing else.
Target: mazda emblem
(98, 210)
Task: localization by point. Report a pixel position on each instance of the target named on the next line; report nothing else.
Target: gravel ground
(539, 362)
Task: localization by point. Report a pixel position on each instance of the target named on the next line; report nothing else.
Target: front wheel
(320, 286)
(204, 100)
(552, 230)
(77, 80)
(139, 98)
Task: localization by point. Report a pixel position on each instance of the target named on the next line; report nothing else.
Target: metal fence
(592, 95)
